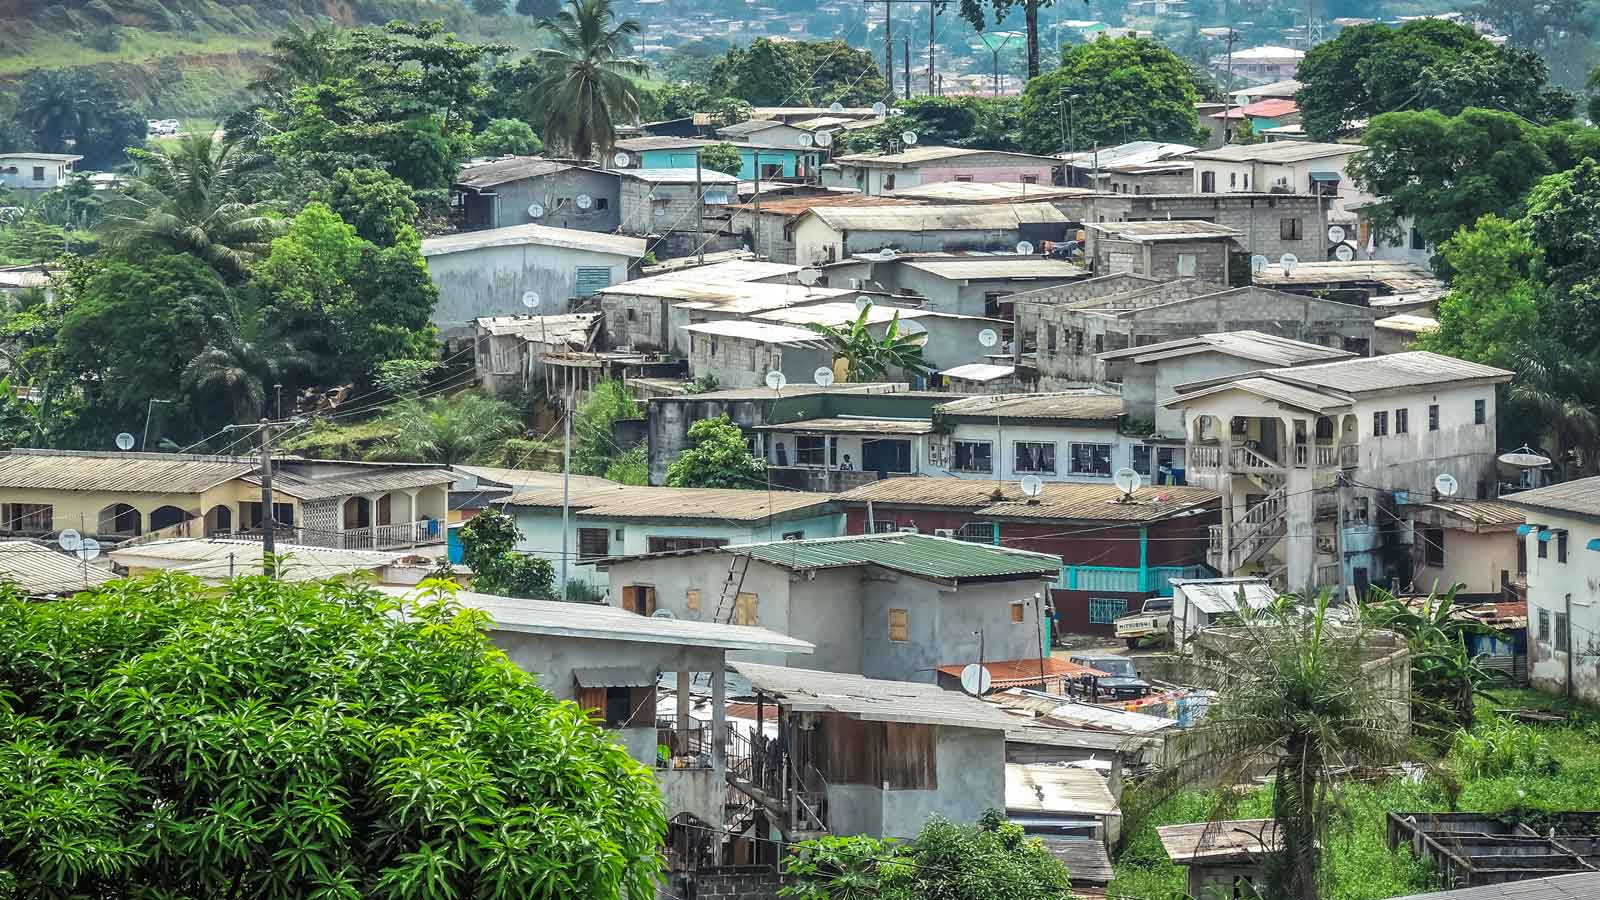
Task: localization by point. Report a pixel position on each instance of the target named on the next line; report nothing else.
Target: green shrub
(1501, 747)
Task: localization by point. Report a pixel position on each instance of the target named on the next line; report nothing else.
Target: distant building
(663, 206)
(1269, 224)
(768, 226)
(1163, 249)
(527, 190)
(1082, 166)
(1261, 114)
(1263, 64)
(508, 351)
(1299, 167)
(35, 171)
(884, 173)
(680, 153)
(1561, 543)
(830, 234)
(951, 340)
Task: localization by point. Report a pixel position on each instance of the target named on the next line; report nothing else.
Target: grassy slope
(1359, 862)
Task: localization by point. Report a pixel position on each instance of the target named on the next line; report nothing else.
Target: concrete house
(680, 153)
(664, 206)
(1270, 112)
(1162, 249)
(1301, 167)
(527, 190)
(766, 133)
(1268, 224)
(1170, 176)
(508, 351)
(1083, 167)
(1473, 543)
(29, 172)
(1071, 338)
(951, 340)
(652, 313)
(1263, 64)
(499, 272)
(829, 234)
(1361, 282)
(768, 227)
(968, 284)
(1275, 442)
(738, 353)
(1562, 546)
(894, 605)
(883, 173)
(1066, 436)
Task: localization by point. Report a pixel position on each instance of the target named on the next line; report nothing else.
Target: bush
(1502, 747)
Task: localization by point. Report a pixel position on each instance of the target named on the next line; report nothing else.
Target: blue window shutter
(593, 278)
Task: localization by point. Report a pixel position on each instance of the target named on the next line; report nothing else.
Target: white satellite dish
(886, 254)
(1524, 457)
(535, 210)
(806, 139)
(988, 337)
(824, 139)
(530, 299)
(1025, 248)
(584, 201)
(1258, 264)
(976, 680)
(1127, 481)
(808, 277)
(663, 614)
(862, 302)
(1446, 485)
(1344, 253)
(621, 159)
(1032, 485)
(124, 441)
(879, 109)
(1335, 234)
(823, 376)
(776, 380)
(69, 539)
(908, 137)
(836, 106)
(88, 549)
(1288, 261)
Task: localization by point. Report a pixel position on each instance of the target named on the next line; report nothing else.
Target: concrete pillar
(1301, 523)
(684, 677)
(719, 718)
(412, 513)
(372, 517)
(1225, 488)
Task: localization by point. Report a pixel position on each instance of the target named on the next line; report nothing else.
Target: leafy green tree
(1126, 89)
(980, 123)
(1493, 294)
(62, 105)
(300, 739)
(974, 10)
(378, 205)
(587, 84)
(451, 429)
(15, 136)
(721, 157)
(797, 73)
(299, 56)
(246, 354)
(489, 7)
(1556, 397)
(593, 447)
(487, 542)
(507, 137)
(19, 418)
(187, 201)
(632, 466)
(718, 459)
(538, 9)
(680, 100)
(1446, 679)
(871, 358)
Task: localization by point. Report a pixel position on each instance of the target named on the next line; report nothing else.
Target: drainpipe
(1144, 558)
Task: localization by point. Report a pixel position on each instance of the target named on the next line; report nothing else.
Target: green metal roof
(914, 554)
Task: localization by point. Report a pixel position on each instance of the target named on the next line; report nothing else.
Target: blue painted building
(679, 153)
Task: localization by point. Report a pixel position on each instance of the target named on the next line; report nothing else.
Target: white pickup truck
(1154, 619)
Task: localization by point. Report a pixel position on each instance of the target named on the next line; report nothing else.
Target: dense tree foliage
(487, 544)
(507, 137)
(982, 123)
(799, 73)
(448, 429)
(1125, 89)
(299, 739)
(718, 459)
(593, 447)
(721, 157)
(587, 83)
(61, 105)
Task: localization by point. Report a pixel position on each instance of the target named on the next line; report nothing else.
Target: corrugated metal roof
(1131, 153)
(760, 332)
(1219, 841)
(1579, 886)
(638, 502)
(609, 623)
(846, 425)
(1478, 514)
(1268, 388)
(976, 267)
(1281, 152)
(615, 676)
(216, 559)
(988, 192)
(1162, 230)
(573, 329)
(981, 372)
(155, 473)
(346, 485)
(1065, 406)
(535, 235)
(1252, 345)
(43, 572)
(530, 478)
(661, 142)
(1417, 368)
(1085, 858)
(1220, 595)
(840, 312)
(1059, 500)
(679, 176)
(1010, 673)
(1408, 323)
(1270, 108)
(971, 217)
(793, 206)
(1580, 496)
(1058, 789)
(1397, 276)
(749, 126)
(505, 171)
(916, 156)
(921, 555)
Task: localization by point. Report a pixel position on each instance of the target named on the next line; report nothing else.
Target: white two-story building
(1562, 537)
(1308, 459)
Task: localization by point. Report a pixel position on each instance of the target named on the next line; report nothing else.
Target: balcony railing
(397, 536)
(1127, 580)
(1324, 455)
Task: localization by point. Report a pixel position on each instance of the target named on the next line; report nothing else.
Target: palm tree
(187, 201)
(57, 104)
(449, 430)
(1291, 689)
(1560, 390)
(871, 358)
(243, 357)
(299, 56)
(587, 85)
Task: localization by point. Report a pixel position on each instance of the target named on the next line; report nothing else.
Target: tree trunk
(1296, 811)
(1031, 8)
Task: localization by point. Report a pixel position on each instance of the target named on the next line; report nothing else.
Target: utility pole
(888, 46)
(930, 50)
(907, 63)
(144, 443)
(755, 233)
(566, 486)
(1227, 91)
(700, 209)
(1338, 531)
(269, 525)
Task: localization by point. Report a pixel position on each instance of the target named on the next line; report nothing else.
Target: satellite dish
(621, 159)
(878, 109)
(88, 549)
(1335, 234)
(886, 254)
(1127, 481)
(862, 302)
(1344, 253)
(836, 106)
(824, 139)
(124, 441)
(69, 539)
(530, 299)
(1258, 264)
(535, 210)
(806, 139)
(988, 337)
(663, 614)
(1032, 486)
(584, 201)
(1288, 261)
(1523, 457)
(808, 277)
(1024, 248)
(908, 137)
(776, 380)
(1446, 485)
(976, 680)
(823, 376)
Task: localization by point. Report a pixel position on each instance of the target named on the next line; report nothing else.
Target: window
(1360, 511)
(691, 600)
(883, 455)
(1544, 546)
(639, 598)
(976, 533)
(1380, 423)
(1186, 265)
(633, 314)
(1233, 180)
(1037, 457)
(601, 203)
(1433, 417)
(1208, 182)
(1417, 242)
(1018, 613)
(619, 707)
(1289, 229)
(964, 178)
(745, 608)
(1091, 459)
(1480, 412)
(899, 625)
(1402, 421)
(1141, 459)
(26, 517)
(1105, 610)
(1433, 547)
(668, 544)
(794, 535)
(1239, 425)
(1030, 179)
(1561, 546)
(883, 526)
(810, 449)
(1563, 632)
(38, 173)
(1099, 343)
(1050, 339)
(974, 456)
(1544, 626)
(888, 182)
(594, 543)
(591, 279)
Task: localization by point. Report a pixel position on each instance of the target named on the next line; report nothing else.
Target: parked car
(1155, 619)
(1121, 681)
